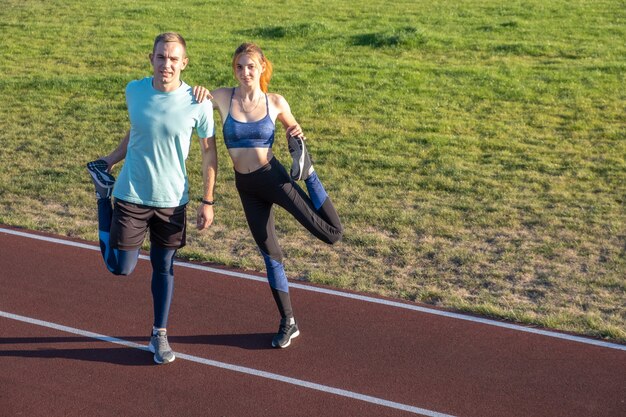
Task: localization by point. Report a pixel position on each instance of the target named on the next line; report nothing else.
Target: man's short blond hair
(170, 37)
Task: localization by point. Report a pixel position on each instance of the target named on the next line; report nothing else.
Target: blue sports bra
(259, 134)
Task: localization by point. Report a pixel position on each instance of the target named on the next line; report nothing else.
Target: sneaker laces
(285, 328)
(162, 342)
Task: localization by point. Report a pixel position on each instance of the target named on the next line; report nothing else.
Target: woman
(248, 115)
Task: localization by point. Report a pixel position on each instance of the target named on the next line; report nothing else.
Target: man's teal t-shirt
(161, 125)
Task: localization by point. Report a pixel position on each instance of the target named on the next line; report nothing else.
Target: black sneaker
(302, 166)
(288, 330)
(101, 178)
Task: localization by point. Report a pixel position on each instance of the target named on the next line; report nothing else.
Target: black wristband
(208, 203)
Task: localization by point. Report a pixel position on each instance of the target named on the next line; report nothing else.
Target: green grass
(476, 150)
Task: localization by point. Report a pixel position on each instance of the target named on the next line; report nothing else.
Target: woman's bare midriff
(246, 160)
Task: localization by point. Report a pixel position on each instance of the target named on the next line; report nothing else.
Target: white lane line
(364, 298)
(235, 368)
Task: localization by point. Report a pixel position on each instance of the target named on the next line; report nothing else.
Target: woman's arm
(292, 128)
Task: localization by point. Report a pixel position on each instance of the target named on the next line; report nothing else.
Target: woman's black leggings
(269, 185)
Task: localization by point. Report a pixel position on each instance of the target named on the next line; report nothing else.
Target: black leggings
(269, 185)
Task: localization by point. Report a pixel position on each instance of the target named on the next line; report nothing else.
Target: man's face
(168, 60)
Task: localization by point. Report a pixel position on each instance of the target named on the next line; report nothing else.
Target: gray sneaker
(302, 166)
(161, 348)
(101, 178)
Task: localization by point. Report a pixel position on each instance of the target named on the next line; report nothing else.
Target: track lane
(430, 362)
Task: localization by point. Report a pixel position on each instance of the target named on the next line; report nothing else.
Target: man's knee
(126, 262)
(123, 270)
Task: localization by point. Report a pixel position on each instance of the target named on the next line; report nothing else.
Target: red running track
(72, 343)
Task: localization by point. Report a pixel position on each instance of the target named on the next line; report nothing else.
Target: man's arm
(209, 174)
(119, 153)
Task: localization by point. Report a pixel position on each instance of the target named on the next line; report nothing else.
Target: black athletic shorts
(168, 226)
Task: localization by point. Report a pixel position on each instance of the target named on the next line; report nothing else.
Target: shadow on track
(125, 356)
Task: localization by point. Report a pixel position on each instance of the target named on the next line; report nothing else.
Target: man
(152, 189)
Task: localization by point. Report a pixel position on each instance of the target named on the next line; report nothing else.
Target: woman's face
(248, 70)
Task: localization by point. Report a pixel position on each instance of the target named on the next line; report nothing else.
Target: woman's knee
(336, 238)
(270, 248)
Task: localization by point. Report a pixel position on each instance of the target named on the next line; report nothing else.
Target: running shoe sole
(101, 179)
(301, 167)
(97, 170)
